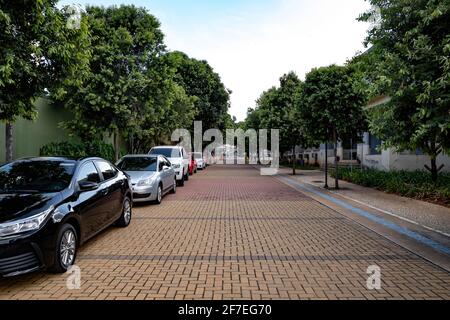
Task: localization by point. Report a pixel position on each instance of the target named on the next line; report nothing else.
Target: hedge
(416, 184)
(77, 149)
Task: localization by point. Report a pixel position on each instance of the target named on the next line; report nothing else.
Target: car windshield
(198, 156)
(167, 152)
(138, 164)
(36, 176)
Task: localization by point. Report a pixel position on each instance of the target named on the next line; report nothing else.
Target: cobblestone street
(233, 234)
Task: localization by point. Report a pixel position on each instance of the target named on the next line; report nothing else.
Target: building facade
(369, 153)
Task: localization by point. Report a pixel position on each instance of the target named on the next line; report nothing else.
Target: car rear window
(167, 152)
(198, 156)
(36, 176)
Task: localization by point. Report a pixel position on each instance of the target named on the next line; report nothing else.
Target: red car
(192, 165)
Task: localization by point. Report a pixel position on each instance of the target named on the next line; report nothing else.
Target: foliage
(78, 149)
(333, 100)
(38, 53)
(416, 184)
(199, 80)
(126, 41)
(410, 62)
(277, 109)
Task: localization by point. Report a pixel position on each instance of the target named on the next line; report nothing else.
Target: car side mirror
(165, 168)
(88, 185)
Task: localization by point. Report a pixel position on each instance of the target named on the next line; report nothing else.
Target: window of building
(374, 144)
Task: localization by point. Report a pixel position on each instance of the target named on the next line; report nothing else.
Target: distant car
(151, 176)
(50, 206)
(192, 164)
(179, 159)
(201, 163)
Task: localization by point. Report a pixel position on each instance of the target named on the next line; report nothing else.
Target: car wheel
(181, 183)
(66, 249)
(127, 211)
(158, 195)
(174, 188)
(186, 177)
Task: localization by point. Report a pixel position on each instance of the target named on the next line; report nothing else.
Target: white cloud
(251, 50)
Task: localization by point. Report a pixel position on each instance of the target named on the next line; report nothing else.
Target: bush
(417, 184)
(79, 150)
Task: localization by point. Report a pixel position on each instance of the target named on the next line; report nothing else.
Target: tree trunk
(116, 146)
(9, 141)
(336, 162)
(433, 152)
(294, 162)
(326, 166)
(434, 169)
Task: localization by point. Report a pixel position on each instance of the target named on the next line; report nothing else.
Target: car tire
(127, 212)
(65, 249)
(186, 177)
(174, 187)
(181, 182)
(159, 194)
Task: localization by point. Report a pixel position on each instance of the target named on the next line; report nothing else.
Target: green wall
(30, 136)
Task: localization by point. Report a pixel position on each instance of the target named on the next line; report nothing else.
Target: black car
(50, 206)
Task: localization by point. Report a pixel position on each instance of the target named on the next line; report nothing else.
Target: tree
(38, 52)
(411, 64)
(117, 96)
(332, 109)
(199, 80)
(167, 107)
(278, 109)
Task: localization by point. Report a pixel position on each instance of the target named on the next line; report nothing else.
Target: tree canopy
(199, 80)
(39, 54)
(409, 62)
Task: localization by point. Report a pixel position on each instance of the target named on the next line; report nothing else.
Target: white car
(201, 163)
(179, 159)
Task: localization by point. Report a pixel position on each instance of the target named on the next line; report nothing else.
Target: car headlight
(24, 225)
(146, 182)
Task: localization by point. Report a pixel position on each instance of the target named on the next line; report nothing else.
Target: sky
(252, 43)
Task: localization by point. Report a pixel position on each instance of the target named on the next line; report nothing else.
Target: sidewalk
(427, 215)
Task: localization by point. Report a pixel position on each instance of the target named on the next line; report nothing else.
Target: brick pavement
(232, 234)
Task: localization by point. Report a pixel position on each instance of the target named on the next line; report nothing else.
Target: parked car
(151, 176)
(201, 163)
(179, 159)
(192, 164)
(51, 206)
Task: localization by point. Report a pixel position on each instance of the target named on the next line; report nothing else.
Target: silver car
(152, 176)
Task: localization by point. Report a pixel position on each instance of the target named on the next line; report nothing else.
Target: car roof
(167, 147)
(60, 158)
(142, 156)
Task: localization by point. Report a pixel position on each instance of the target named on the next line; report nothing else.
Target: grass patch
(417, 184)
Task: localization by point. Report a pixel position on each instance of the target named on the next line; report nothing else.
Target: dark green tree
(277, 109)
(333, 100)
(120, 91)
(39, 51)
(199, 80)
(410, 63)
